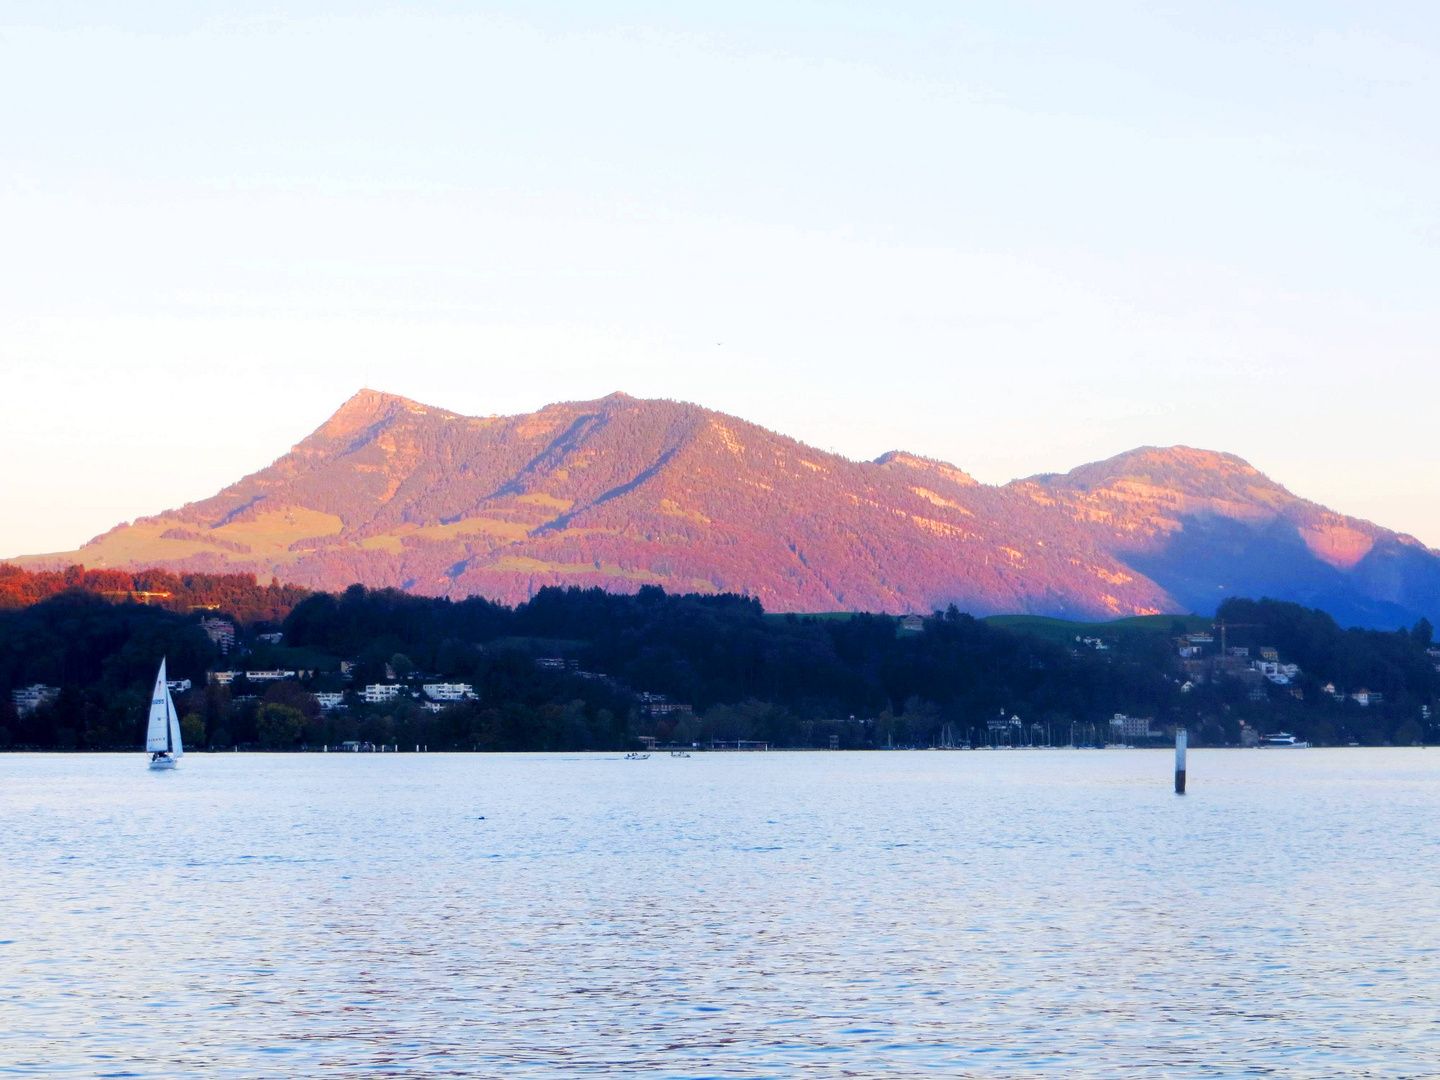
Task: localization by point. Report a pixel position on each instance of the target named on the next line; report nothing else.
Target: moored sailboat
(162, 734)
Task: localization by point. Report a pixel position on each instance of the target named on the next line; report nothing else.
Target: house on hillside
(272, 675)
(221, 632)
(912, 622)
(459, 691)
(30, 698)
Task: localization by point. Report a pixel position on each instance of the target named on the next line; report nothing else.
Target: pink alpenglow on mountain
(622, 493)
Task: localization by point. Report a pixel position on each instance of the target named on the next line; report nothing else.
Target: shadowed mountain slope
(622, 492)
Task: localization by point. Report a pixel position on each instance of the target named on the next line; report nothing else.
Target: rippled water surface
(1044, 913)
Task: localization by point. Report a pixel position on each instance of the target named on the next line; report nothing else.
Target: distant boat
(162, 736)
(1283, 739)
(637, 757)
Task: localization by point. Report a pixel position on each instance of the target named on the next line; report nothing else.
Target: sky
(1014, 236)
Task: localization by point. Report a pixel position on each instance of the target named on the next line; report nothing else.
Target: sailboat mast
(169, 739)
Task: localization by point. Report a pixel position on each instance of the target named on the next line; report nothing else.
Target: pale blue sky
(1014, 236)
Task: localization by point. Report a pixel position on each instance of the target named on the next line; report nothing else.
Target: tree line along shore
(582, 669)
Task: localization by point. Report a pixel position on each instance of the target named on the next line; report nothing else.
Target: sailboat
(162, 736)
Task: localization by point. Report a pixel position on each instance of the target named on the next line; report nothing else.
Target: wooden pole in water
(1182, 738)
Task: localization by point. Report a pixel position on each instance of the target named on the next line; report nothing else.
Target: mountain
(622, 492)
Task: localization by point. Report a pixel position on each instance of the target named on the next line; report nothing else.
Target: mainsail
(163, 731)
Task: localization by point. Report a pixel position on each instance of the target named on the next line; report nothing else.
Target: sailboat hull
(163, 763)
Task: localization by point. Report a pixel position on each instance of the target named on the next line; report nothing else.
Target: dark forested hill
(586, 669)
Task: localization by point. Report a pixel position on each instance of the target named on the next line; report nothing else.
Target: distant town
(578, 669)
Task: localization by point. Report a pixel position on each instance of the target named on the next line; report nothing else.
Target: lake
(989, 914)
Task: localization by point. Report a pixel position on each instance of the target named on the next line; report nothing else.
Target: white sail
(158, 731)
(175, 748)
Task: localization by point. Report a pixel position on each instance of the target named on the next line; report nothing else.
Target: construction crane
(1236, 625)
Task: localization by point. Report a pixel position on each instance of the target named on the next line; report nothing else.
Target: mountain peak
(902, 459)
(1184, 467)
(362, 411)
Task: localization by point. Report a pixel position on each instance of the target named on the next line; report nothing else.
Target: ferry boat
(1283, 739)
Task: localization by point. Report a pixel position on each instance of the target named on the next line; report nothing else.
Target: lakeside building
(912, 622)
(178, 686)
(30, 698)
(378, 693)
(270, 639)
(224, 678)
(1128, 728)
(328, 701)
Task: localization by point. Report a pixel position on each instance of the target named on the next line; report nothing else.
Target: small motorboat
(1283, 739)
(637, 757)
(679, 753)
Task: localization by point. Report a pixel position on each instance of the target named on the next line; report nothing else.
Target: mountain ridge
(621, 492)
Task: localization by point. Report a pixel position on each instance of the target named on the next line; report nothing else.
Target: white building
(270, 639)
(224, 678)
(269, 676)
(178, 686)
(30, 698)
(330, 701)
(449, 691)
(1279, 674)
(1127, 728)
(376, 693)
